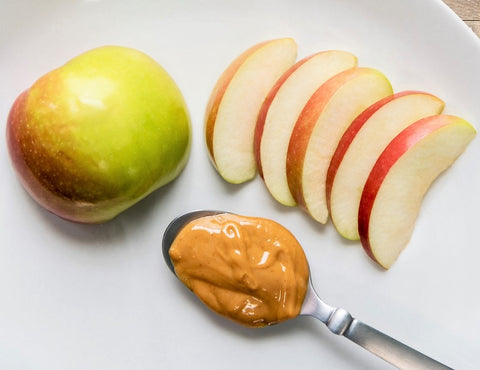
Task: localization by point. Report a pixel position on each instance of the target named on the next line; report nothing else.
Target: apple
(361, 145)
(235, 102)
(280, 111)
(319, 128)
(94, 136)
(399, 179)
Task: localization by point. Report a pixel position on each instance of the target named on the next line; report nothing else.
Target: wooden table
(469, 11)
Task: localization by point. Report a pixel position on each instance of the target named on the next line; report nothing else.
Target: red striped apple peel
(280, 111)
(401, 176)
(235, 103)
(319, 128)
(361, 145)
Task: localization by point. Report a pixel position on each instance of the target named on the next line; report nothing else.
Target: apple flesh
(361, 145)
(235, 102)
(94, 136)
(400, 178)
(319, 128)
(280, 111)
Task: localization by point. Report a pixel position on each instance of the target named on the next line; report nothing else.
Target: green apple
(94, 136)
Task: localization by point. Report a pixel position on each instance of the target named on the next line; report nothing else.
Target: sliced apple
(235, 102)
(280, 111)
(399, 179)
(321, 124)
(360, 147)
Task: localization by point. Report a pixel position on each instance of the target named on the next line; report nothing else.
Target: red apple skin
(262, 115)
(304, 127)
(392, 153)
(350, 134)
(29, 170)
(218, 92)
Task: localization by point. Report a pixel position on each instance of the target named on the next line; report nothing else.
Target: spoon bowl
(175, 226)
(338, 320)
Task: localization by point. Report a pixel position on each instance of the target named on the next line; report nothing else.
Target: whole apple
(94, 136)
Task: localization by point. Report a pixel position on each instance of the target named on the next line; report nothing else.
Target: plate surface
(100, 297)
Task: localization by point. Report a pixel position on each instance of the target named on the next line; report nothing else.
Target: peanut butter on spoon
(250, 270)
(254, 272)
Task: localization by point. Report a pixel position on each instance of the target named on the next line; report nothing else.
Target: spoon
(338, 320)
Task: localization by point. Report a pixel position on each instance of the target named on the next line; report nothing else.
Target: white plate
(100, 297)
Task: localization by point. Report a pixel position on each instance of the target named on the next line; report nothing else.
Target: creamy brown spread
(250, 270)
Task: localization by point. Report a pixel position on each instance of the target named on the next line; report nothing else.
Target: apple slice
(360, 147)
(319, 128)
(235, 102)
(280, 111)
(399, 179)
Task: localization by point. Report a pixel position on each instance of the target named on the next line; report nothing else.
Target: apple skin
(423, 170)
(264, 110)
(234, 104)
(94, 136)
(350, 134)
(281, 109)
(219, 91)
(434, 106)
(304, 130)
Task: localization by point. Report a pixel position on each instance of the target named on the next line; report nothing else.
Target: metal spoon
(337, 320)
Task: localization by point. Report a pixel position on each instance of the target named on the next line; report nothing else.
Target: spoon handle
(389, 349)
(340, 322)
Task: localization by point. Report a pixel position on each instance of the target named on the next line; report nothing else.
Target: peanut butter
(250, 270)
